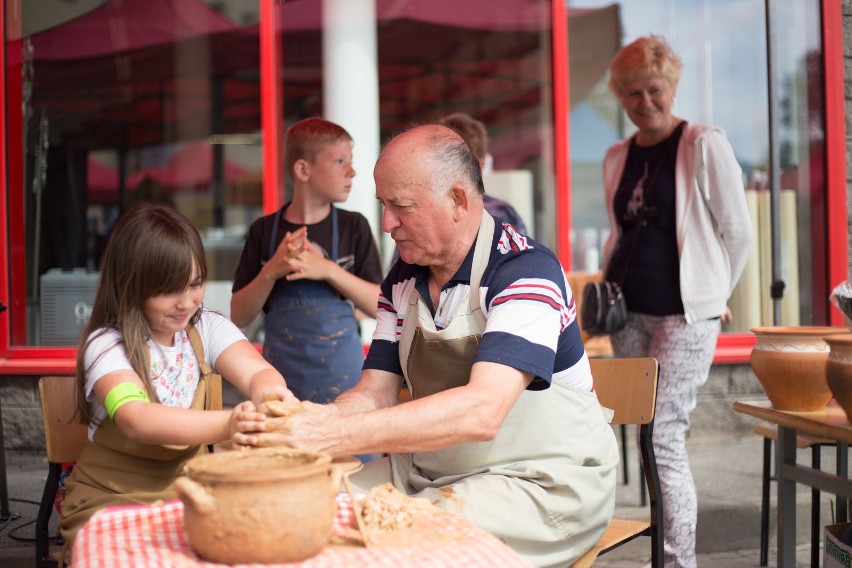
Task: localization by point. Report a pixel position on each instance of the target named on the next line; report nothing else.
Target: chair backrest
(628, 387)
(64, 435)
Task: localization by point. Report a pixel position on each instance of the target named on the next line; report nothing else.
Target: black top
(646, 261)
(357, 250)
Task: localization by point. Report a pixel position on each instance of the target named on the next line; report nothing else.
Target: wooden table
(152, 537)
(831, 423)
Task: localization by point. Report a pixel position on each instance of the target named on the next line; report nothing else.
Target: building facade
(186, 101)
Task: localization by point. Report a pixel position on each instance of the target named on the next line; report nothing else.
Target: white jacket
(714, 232)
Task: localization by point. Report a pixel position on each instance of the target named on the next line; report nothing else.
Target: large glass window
(415, 61)
(111, 102)
(724, 82)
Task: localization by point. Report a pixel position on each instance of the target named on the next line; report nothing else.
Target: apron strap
(274, 237)
(481, 254)
(212, 381)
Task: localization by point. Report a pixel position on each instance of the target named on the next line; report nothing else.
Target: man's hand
(312, 427)
(292, 245)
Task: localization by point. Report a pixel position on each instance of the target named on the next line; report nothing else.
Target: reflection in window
(724, 82)
(121, 101)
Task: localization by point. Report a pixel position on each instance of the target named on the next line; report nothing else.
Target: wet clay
(277, 413)
(265, 505)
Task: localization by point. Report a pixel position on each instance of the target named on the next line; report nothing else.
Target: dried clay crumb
(392, 518)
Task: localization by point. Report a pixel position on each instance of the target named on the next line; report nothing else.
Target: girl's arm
(242, 366)
(154, 423)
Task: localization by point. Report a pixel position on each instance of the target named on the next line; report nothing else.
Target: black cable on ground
(11, 534)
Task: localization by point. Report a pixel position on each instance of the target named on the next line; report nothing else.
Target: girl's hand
(245, 421)
(277, 392)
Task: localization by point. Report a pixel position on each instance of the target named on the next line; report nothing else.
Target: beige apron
(113, 470)
(546, 483)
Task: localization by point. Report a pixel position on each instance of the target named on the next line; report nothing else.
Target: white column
(351, 92)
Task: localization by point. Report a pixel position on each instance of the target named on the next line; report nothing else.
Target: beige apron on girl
(113, 470)
(546, 484)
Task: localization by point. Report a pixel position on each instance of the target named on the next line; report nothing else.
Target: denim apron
(311, 333)
(546, 484)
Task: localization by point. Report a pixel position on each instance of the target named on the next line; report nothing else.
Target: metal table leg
(786, 499)
(4, 489)
(843, 472)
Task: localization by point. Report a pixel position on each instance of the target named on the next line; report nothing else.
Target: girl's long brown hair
(151, 251)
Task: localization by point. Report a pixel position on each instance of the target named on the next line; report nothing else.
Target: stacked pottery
(838, 370)
(790, 363)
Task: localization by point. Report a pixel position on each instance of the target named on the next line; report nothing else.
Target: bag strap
(647, 188)
(212, 381)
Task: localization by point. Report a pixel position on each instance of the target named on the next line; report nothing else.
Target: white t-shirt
(174, 370)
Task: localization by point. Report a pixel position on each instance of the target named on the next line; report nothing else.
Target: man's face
(420, 223)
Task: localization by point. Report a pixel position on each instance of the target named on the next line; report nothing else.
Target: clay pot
(838, 370)
(266, 505)
(790, 364)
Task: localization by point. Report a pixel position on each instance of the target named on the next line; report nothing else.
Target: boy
(306, 265)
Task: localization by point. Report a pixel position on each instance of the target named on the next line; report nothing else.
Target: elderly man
(504, 427)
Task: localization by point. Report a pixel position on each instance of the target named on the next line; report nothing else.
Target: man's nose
(389, 221)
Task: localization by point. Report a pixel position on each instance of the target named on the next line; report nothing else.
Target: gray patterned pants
(685, 352)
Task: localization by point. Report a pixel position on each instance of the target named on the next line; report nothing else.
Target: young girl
(145, 369)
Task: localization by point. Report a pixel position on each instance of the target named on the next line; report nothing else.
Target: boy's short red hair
(306, 138)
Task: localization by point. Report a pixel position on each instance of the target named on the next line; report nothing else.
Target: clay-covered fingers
(245, 422)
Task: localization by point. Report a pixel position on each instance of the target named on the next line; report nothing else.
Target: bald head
(437, 155)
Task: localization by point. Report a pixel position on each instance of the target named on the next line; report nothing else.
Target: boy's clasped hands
(297, 258)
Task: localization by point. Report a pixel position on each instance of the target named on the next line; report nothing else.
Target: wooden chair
(64, 440)
(629, 388)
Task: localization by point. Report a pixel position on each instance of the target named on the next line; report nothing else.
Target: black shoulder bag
(604, 309)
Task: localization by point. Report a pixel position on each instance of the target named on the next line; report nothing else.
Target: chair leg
(42, 539)
(816, 536)
(764, 502)
(625, 464)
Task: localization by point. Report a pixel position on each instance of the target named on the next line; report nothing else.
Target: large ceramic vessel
(269, 505)
(789, 362)
(838, 370)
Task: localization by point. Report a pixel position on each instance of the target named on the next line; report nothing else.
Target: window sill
(731, 349)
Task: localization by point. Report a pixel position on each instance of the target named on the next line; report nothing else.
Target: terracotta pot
(789, 362)
(838, 370)
(265, 505)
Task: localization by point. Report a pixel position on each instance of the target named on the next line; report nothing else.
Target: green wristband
(122, 394)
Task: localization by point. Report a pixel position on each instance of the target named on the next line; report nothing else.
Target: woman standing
(679, 240)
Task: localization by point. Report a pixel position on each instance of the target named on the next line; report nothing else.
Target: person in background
(680, 236)
(474, 133)
(504, 427)
(147, 369)
(306, 265)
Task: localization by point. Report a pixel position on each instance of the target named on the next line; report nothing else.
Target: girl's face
(167, 314)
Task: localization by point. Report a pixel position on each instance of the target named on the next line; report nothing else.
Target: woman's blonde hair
(649, 56)
(152, 250)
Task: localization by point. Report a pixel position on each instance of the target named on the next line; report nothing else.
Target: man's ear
(461, 202)
(301, 170)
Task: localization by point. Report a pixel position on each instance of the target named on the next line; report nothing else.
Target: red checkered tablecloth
(143, 537)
